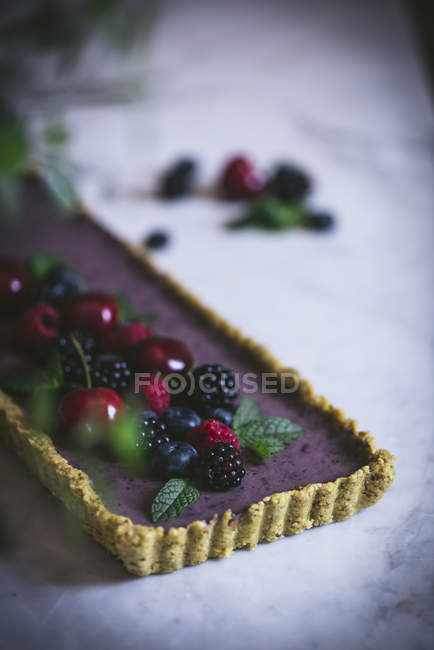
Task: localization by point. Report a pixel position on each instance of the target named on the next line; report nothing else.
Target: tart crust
(151, 549)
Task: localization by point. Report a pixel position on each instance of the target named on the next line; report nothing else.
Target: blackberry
(156, 240)
(110, 371)
(289, 183)
(73, 372)
(58, 285)
(222, 467)
(152, 432)
(178, 179)
(214, 387)
(319, 221)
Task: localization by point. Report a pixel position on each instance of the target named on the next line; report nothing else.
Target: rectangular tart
(325, 476)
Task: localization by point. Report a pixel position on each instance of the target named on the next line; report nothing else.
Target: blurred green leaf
(123, 440)
(9, 193)
(14, 147)
(42, 263)
(60, 183)
(43, 409)
(56, 135)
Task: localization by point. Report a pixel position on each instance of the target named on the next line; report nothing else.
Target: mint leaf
(281, 428)
(55, 370)
(29, 381)
(261, 448)
(250, 432)
(247, 411)
(173, 498)
(270, 214)
(41, 264)
(125, 306)
(268, 436)
(60, 182)
(143, 317)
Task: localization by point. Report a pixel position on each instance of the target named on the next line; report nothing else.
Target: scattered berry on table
(319, 221)
(157, 240)
(92, 312)
(15, 286)
(289, 183)
(179, 420)
(73, 371)
(37, 326)
(172, 459)
(58, 285)
(210, 432)
(222, 415)
(214, 386)
(222, 467)
(90, 405)
(111, 371)
(156, 394)
(178, 179)
(160, 353)
(241, 180)
(152, 432)
(120, 339)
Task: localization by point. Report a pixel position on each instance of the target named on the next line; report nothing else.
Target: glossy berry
(179, 420)
(58, 285)
(161, 354)
(156, 394)
(241, 180)
(210, 432)
(319, 221)
(91, 312)
(156, 240)
(289, 183)
(90, 404)
(15, 286)
(178, 180)
(120, 339)
(72, 365)
(214, 386)
(152, 432)
(111, 371)
(222, 467)
(37, 326)
(222, 415)
(172, 459)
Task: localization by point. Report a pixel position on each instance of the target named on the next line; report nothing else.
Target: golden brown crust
(151, 549)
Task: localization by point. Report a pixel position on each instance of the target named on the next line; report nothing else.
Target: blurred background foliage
(42, 42)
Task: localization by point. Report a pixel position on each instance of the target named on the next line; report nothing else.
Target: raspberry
(222, 467)
(73, 372)
(214, 387)
(241, 180)
(209, 433)
(157, 395)
(120, 339)
(38, 326)
(111, 371)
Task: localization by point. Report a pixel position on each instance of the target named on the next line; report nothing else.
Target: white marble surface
(337, 87)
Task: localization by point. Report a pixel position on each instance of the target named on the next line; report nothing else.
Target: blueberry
(289, 183)
(319, 221)
(156, 240)
(172, 459)
(58, 285)
(222, 415)
(178, 179)
(179, 420)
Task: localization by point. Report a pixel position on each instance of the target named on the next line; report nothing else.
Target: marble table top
(338, 88)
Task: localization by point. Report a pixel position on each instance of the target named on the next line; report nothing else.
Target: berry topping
(72, 365)
(319, 221)
(210, 432)
(15, 285)
(120, 339)
(289, 183)
(179, 420)
(37, 326)
(58, 285)
(156, 240)
(90, 404)
(111, 371)
(222, 415)
(152, 432)
(156, 393)
(173, 459)
(161, 353)
(178, 179)
(214, 386)
(241, 180)
(91, 312)
(222, 467)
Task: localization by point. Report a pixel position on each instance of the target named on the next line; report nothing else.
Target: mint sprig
(173, 498)
(264, 435)
(270, 214)
(26, 382)
(126, 310)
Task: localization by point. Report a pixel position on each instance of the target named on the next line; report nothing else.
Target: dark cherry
(90, 405)
(160, 353)
(15, 286)
(93, 313)
(241, 179)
